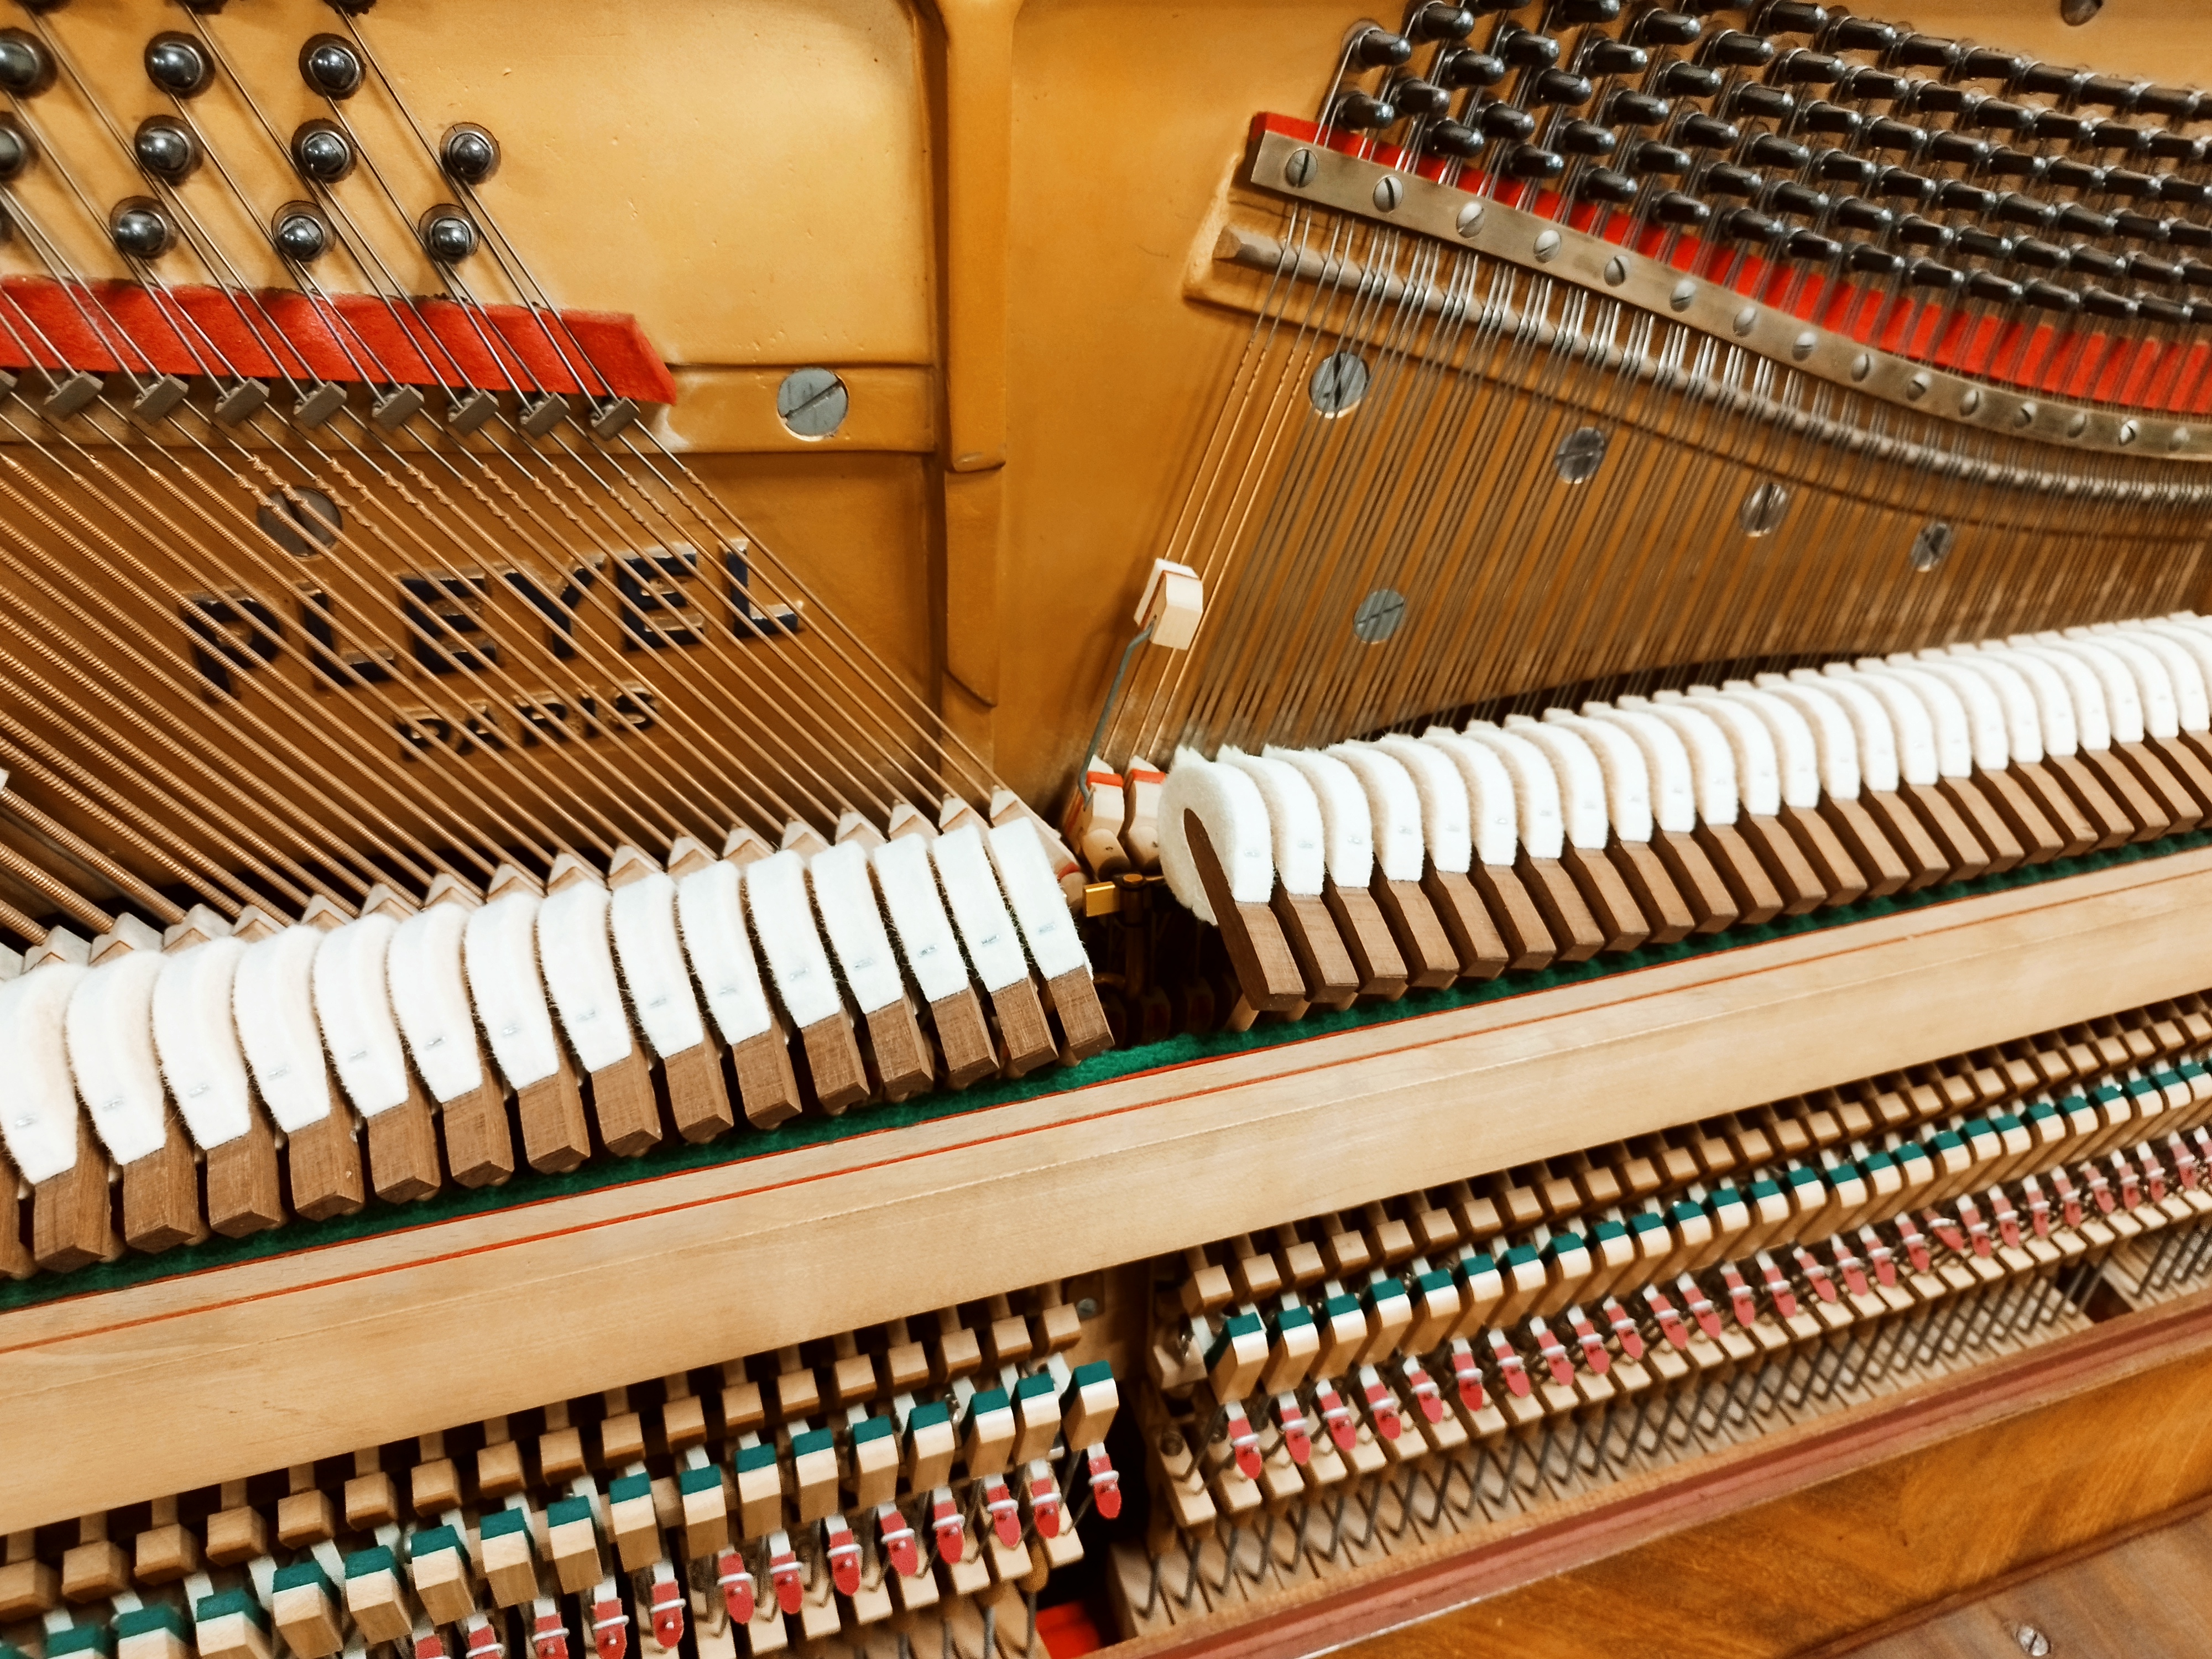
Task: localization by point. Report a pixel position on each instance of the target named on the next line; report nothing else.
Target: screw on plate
(1299, 171)
(1378, 615)
(1389, 191)
(2031, 1641)
(812, 402)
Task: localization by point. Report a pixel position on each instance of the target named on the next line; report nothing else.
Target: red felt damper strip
(2138, 374)
(108, 328)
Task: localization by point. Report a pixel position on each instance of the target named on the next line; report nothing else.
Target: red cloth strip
(109, 327)
(2079, 363)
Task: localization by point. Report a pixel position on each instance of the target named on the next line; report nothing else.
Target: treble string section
(1416, 544)
(1349, 552)
(1336, 408)
(1486, 420)
(1234, 563)
(1328, 556)
(1536, 367)
(1215, 494)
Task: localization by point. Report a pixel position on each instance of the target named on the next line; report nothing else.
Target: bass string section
(350, 596)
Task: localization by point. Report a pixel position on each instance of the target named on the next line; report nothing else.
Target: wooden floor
(2142, 1597)
(2139, 1598)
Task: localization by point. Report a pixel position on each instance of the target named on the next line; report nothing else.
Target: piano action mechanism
(958, 830)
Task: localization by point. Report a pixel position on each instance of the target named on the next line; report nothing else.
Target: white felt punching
(109, 1026)
(38, 1100)
(1835, 745)
(2084, 692)
(1987, 739)
(1796, 752)
(1040, 911)
(274, 999)
(1493, 815)
(2123, 708)
(1229, 806)
(1758, 768)
(500, 952)
(2196, 647)
(1539, 819)
(196, 1038)
(649, 951)
(353, 1004)
(1447, 822)
(430, 999)
(1946, 715)
(2184, 672)
(1622, 764)
(1712, 760)
(1666, 762)
(907, 885)
(979, 909)
(1581, 781)
(783, 921)
(2154, 690)
(1346, 826)
(711, 919)
(2055, 719)
(1912, 728)
(2015, 699)
(1294, 821)
(577, 957)
(845, 899)
(1394, 806)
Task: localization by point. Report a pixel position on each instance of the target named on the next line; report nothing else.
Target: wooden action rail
(944, 1208)
(925, 1477)
(1333, 1392)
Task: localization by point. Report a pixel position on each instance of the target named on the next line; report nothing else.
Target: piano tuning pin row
(934, 1473)
(1341, 1390)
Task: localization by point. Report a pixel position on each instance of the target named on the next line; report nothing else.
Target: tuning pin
(1377, 48)
(737, 1587)
(1438, 21)
(783, 1572)
(1360, 110)
(844, 1553)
